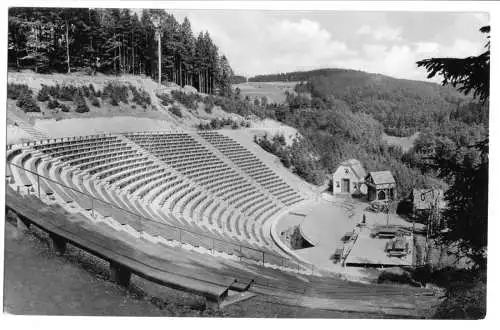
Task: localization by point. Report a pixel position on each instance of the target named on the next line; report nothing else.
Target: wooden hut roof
(382, 177)
(356, 167)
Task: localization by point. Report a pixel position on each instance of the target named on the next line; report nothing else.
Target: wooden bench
(125, 259)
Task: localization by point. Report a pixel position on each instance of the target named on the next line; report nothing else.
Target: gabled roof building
(381, 186)
(349, 178)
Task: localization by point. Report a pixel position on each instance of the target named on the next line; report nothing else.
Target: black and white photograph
(272, 160)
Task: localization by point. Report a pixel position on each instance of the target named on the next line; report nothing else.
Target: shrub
(43, 94)
(64, 107)
(94, 101)
(209, 104)
(92, 89)
(176, 111)
(116, 93)
(67, 92)
(397, 275)
(165, 99)
(81, 105)
(27, 103)
(84, 90)
(188, 100)
(140, 96)
(53, 104)
(14, 91)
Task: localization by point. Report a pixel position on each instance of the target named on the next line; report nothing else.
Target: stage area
(325, 224)
(371, 251)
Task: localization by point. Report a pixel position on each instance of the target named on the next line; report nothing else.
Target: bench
(124, 258)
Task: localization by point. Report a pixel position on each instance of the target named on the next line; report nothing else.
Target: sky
(262, 42)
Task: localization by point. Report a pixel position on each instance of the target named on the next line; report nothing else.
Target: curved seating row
(170, 178)
(253, 167)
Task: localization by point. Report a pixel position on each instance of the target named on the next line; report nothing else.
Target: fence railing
(44, 187)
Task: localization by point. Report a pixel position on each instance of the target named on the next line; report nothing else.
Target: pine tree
(115, 40)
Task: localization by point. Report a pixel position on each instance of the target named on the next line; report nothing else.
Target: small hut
(349, 178)
(425, 200)
(381, 186)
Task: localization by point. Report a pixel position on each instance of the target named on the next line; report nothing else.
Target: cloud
(400, 60)
(380, 33)
(426, 47)
(260, 42)
(256, 44)
(301, 44)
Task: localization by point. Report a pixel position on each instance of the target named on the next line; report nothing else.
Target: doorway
(345, 187)
(381, 195)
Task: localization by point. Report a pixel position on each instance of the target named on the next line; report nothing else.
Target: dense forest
(297, 76)
(115, 41)
(402, 106)
(237, 79)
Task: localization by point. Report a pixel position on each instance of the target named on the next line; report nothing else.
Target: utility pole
(433, 212)
(157, 24)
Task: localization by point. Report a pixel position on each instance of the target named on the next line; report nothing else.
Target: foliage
(236, 79)
(189, 100)
(467, 74)
(115, 41)
(140, 96)
(209, 104)
(401, 106)
(176, 111)
(237, 106)
(14, 91)
(94, 101)
(64, 107)
(462, 159)
(43, 94)
(53, 104)
(297, 157)
(165, 99)
(465, 293)
(27, 103)
(80, 104)
(115, 93)
(218, 123)
(63, 93)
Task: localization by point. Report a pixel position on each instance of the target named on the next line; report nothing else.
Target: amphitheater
(200, 206)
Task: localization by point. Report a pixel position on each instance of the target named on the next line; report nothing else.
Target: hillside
(156, 112)
(402, 106)
(330, 129)
(265, 92)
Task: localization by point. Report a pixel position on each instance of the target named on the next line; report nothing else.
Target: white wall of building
(345, 172)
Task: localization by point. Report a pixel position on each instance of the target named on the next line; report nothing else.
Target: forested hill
(297, 75)
(402, 106)
(115, 41)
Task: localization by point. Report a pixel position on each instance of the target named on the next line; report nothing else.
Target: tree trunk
(120, 57)
(114, 53)
(67, 47)
(133, 54)
(180, 74)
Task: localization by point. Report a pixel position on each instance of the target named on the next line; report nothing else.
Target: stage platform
(369, 252)
(325, 223)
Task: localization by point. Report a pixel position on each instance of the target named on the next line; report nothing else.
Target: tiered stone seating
(252, 166)
(172, 178)
(191, 159)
